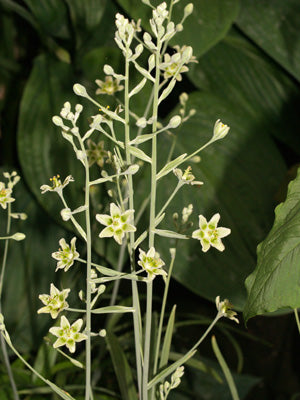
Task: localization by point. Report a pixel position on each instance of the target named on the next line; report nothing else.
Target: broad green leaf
(93, 24)
(229, 169)
(164, 358)
(274, 284)
(274, 26)
(122, 368)
(207, 25)
(42, 150)
(238, 72)
(51, 16)
(203, 382)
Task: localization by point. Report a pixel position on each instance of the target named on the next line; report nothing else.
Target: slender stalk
(297, 319)
(135, 296)
(88, 390)
(151, 222)
(179, 184)
(3, 345)
(161, 320)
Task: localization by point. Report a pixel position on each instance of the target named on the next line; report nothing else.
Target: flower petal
(202, 222)
(104, 219)
(107, 232)
(214, 221)
(222, 232)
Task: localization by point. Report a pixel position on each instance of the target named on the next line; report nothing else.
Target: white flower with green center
(5, 195)
(209, 234)
(151, 263)
(68, 335)
(110, 86)
(117, 223)
(57, 185)
(225, 309)
(66, 255)
(55, 302)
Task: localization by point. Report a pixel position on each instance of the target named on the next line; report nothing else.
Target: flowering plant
(125, 157)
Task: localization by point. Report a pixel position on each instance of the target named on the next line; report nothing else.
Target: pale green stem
(151, 223)
(3, 345)
(135, 295)
(118, 281)
(297, 319)
(161, 320)
(75, 223)
(179, 185)
(88, 362)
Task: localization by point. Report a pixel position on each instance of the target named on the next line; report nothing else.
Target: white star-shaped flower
(209, 234)
(117, 223)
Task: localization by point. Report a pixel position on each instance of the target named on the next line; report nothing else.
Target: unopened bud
(18, 236)
(80, 90)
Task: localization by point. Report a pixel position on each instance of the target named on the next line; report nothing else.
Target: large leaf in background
(51, 16)
(275, 282)
(274, 26)
(207, 25)
(204, 386)
(230, 170)
(237, 71)
(42, 150)
(93, 22)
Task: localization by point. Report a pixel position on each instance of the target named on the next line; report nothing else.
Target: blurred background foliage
(247, 75)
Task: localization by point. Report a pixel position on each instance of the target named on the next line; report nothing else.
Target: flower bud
(108, 70)
(188, 9)
(66, 214)
(220, 130)
(18, 236)
(102, 333)
(57, 121)
(80, 90)
(174, 121)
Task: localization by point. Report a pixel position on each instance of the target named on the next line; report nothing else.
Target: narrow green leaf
(167, 371)
(112, 309)
(170, 234)
(199, 365)
(225, 369)
(122, 368)
(170, 166)
(137, 88)
(136, 152)
(164, 358)
(274, 284)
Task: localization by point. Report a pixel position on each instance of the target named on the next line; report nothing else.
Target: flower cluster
(151, 263)
(174, 65)
(117, 223)
(68, 334)
(66, 255)
(225, 309)
(209, 234)
(55, 302)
